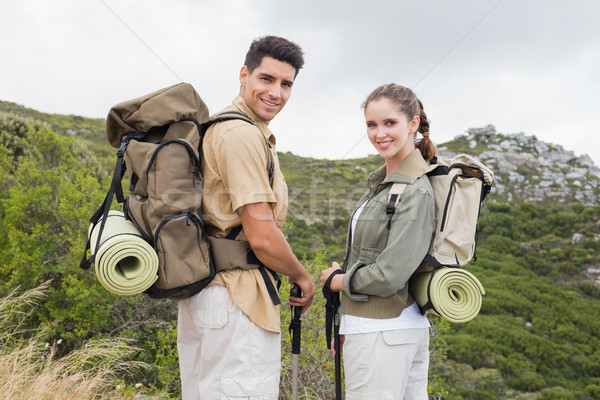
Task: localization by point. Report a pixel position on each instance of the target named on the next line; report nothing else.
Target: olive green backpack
(159, 138)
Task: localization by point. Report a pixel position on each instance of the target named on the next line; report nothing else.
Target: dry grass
(29, 369)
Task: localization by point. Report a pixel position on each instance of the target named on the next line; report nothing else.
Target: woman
(385, 337)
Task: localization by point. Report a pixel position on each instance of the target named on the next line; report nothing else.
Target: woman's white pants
(389, 365)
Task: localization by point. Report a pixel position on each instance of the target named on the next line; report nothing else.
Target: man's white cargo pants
(222, 354)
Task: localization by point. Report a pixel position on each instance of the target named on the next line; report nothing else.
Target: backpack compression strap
(102, 212)
(429, 304)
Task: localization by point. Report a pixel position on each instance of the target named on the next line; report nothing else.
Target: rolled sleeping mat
(125, 264)
(451, 293)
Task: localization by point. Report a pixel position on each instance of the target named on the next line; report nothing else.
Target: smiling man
(229, 337)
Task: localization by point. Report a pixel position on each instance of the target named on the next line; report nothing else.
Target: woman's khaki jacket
(381, 259)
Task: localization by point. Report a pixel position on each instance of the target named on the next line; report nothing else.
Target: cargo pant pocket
(250, 388)
(211, 307)
(400, 336)
(410, 348)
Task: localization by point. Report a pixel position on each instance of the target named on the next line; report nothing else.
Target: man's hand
(308, 292)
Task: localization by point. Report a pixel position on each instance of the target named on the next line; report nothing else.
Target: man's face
(268, 87)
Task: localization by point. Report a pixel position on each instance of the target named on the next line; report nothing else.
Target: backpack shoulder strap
(230, 115)
(393, 200)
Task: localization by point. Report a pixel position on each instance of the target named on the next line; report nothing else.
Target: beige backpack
(159, 138)
(459, 185)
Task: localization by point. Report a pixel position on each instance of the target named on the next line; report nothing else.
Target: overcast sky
(529, 66)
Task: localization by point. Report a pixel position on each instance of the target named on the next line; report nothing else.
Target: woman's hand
(337, 281)
(342, 340)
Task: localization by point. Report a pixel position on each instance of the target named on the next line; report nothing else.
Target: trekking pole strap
(331, 307)
(296, 323)
(332, 326)
(295, 326)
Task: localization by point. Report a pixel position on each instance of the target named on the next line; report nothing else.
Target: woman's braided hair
(410, 105)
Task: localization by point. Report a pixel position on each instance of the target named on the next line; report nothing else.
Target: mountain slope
(538, 256)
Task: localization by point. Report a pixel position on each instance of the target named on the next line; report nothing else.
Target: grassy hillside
(535, 338)
(90, 131)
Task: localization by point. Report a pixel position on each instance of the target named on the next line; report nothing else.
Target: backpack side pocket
(455, 238)
(183, 252)
(134, 211)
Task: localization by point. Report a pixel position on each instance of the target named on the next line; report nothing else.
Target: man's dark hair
(275, 47)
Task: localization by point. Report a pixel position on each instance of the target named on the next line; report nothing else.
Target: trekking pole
(332, 321)
(295, 328)
(338, 357)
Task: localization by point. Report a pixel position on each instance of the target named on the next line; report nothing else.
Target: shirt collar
(411, 168)
(414, 165)
(239, 103)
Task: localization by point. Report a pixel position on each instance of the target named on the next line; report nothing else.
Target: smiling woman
(378, 316)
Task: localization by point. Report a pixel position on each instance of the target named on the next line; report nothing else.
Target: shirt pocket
(367, 231)
(368, 255)
(371, 227)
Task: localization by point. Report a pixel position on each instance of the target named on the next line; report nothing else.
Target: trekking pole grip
(296, 324)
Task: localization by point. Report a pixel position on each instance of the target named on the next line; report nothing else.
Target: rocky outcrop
(529, 170)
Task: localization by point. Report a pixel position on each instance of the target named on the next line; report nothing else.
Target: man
(229, 333)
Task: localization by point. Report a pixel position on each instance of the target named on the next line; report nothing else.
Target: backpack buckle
(123, 147)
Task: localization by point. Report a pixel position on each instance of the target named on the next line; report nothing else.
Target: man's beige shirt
(235, 174)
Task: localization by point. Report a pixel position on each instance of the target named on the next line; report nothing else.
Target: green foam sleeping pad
(125, 263)
(455, 294)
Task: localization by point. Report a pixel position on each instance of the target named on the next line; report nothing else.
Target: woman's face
(389, 130)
